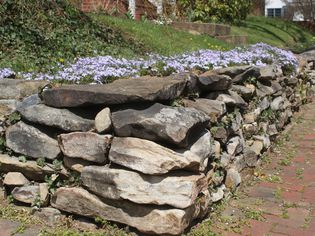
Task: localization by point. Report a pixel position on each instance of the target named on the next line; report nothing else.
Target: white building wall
(273, 4)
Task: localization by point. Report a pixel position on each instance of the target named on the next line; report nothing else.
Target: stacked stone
(147, 150)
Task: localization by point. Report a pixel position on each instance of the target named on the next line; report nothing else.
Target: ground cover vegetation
(276, 32)
(46, 37)
(38, 35)
(159, 37)
(103, 69)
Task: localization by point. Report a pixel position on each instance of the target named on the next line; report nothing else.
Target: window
(274, 12)
(270, 12)
(278, 12)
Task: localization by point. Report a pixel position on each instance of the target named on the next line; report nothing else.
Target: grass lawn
(275, 32)
(159, 38)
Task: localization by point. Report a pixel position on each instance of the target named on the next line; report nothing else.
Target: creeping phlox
(101, 69)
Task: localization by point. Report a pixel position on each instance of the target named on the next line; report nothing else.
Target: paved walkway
(281, 199)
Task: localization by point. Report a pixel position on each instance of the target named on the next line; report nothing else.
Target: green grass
(275, 32)
(159, 38)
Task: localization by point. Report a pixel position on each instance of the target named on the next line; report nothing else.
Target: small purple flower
(100, 68)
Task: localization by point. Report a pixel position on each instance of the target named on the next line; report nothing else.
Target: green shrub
(226, 11)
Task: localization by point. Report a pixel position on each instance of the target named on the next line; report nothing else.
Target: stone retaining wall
(151, 153)
(203, 28)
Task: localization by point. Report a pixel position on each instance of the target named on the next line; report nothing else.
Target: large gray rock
(251, 156)
(249, 73)
(232, 71)
(59, 118)
(234, 146)
(244, 91)
(179, 190)
(145, 89)
(264, 104)
(277, 104)
(29, 168)
(263, 90)
(146, 218)
(267, 72)
(7, 107)
(227, 99)
(210, 81)
(85, 145)
(239, 101)
(174, 125)
(28, 101)
(150, 158)
(31, 194)
(15, 179)
(30, 141)
(213, 108)
(202, 147)
(17, 89)
(26, 194)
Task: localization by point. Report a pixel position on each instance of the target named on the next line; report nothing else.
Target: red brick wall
(143, 7)
(106, 5)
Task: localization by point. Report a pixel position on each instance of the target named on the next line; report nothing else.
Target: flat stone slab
(179, 190)
(147, 219)
(30, 141)
(17, 89)
(173, 125)
(59, 118)
(29, 168)
(15, 179)
(151, 158)
(85, 145)
(213, 108)
(210, 81)
(144, 89)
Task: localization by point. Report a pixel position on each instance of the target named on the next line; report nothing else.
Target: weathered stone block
(145, 89)
(59, 118)
(146, 218)
(174, 125)
(85, 145)
(30, 141)
(179, 190)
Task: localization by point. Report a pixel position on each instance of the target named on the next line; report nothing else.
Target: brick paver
(286, 206)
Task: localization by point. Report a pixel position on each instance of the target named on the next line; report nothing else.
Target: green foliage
(14, 118)
(38, 35)
(276, 32)
(53, 182)
(227, 11)
(161, 39)
(57, 165)
(37, 202)
(40, 161)
(22, 159)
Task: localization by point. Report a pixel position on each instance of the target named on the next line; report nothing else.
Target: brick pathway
(281, 199)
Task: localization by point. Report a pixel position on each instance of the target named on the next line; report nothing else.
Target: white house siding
(273, 4)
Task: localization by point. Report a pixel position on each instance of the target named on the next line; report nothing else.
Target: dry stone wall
(151, 153)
